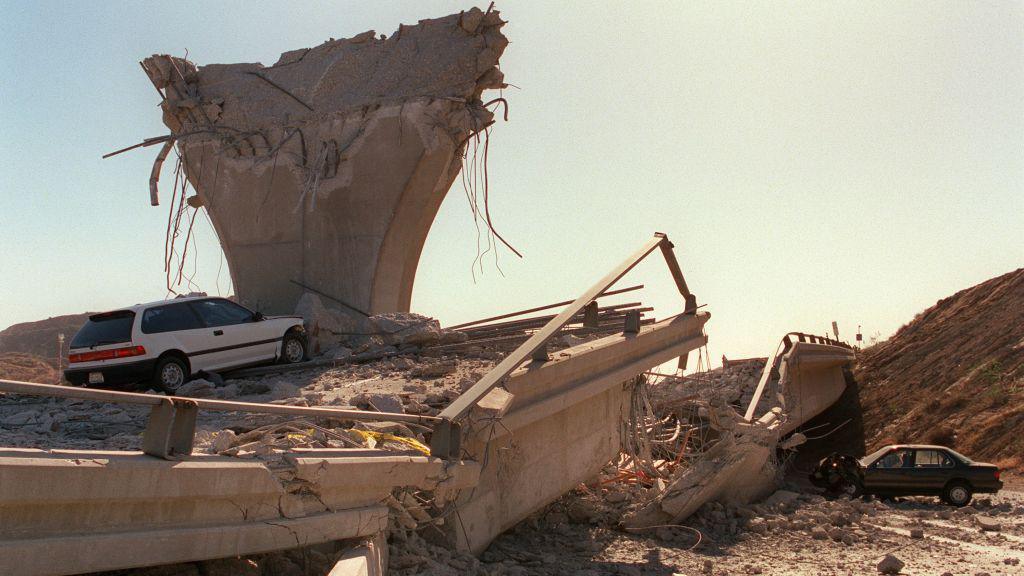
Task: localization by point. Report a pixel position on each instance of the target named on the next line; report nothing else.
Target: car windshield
(108, 328)
(870, 458)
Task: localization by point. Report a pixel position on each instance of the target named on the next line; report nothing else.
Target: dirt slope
(26, 368)
(40, 338)
(954, 375)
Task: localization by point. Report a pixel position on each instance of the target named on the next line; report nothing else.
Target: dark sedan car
(909, 470)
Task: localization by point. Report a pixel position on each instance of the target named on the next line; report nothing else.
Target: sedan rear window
(107, 328)
(169, 318)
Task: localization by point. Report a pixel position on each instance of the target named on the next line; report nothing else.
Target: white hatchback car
(162, 344)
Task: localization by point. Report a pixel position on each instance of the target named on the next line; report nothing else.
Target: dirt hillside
(954, 375)
(40, 338)
(26, 368)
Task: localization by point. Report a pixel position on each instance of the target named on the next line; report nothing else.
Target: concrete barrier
(563, 425)
(71, 512)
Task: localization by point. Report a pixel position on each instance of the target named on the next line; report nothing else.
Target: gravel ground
(793, 532)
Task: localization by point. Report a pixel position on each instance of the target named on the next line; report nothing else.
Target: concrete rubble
(792, 531)
(286, 159)
(729, 426)
(587, 531)
(339, 333)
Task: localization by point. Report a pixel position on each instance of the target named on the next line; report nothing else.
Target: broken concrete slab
(368, 559)
(338, 332)
(801, 379)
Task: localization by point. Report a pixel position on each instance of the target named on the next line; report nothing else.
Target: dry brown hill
(40, 337)
(953, 376)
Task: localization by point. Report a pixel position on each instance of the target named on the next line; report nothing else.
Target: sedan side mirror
(258, 317)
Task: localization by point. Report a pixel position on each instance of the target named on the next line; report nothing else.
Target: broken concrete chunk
(434, 369)
(495, 404)
(890, 565)
(407, 328)
(222, 441)
(198, 388)
(228, 392)
(378, 402)
(987, 523)
(250, 388)
(782, 497)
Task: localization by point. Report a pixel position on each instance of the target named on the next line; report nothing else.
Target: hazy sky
(812, 161)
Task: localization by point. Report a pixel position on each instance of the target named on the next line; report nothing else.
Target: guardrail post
(541, 353)
(590, 316)
(183, 430)
(632, 322)
(156, 440)
(446, 440)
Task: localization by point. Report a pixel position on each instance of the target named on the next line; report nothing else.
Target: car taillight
(107, 354)
(997, 473)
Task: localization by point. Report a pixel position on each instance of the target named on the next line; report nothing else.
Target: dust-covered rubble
(794, 531)
(410, 383)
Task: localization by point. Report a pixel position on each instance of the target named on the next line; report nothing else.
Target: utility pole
(60, 357)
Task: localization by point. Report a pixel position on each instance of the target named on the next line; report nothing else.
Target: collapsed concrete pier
(326, 169)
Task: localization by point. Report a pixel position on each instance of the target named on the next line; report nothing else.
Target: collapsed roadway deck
(173, 507)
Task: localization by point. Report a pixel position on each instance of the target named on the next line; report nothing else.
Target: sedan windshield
(870, 458)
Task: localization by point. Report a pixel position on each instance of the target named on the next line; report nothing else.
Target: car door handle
(218, 332)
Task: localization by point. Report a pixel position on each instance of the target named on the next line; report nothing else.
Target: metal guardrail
(170, 428)
(446, 439)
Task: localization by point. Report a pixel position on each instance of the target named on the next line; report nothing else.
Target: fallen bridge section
(539, 423)
(563, 424)
(736, 464)
(803, 378)
(71, 512)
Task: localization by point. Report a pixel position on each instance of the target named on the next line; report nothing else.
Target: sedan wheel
(958, 494)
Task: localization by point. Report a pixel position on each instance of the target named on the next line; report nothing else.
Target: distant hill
(954, 375)
(40, 338)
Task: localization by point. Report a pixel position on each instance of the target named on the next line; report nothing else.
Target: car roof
(140, 307)
(923, 446)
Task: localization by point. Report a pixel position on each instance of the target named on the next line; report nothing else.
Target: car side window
(896, 459)
(169, 318)
(221, 312)
(929, 459)
(946, 461)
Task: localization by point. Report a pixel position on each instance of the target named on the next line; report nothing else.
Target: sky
(811, 161)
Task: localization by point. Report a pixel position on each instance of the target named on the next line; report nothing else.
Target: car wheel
(852, 489)
(293, 348)
(171, 372)
(957, 493)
